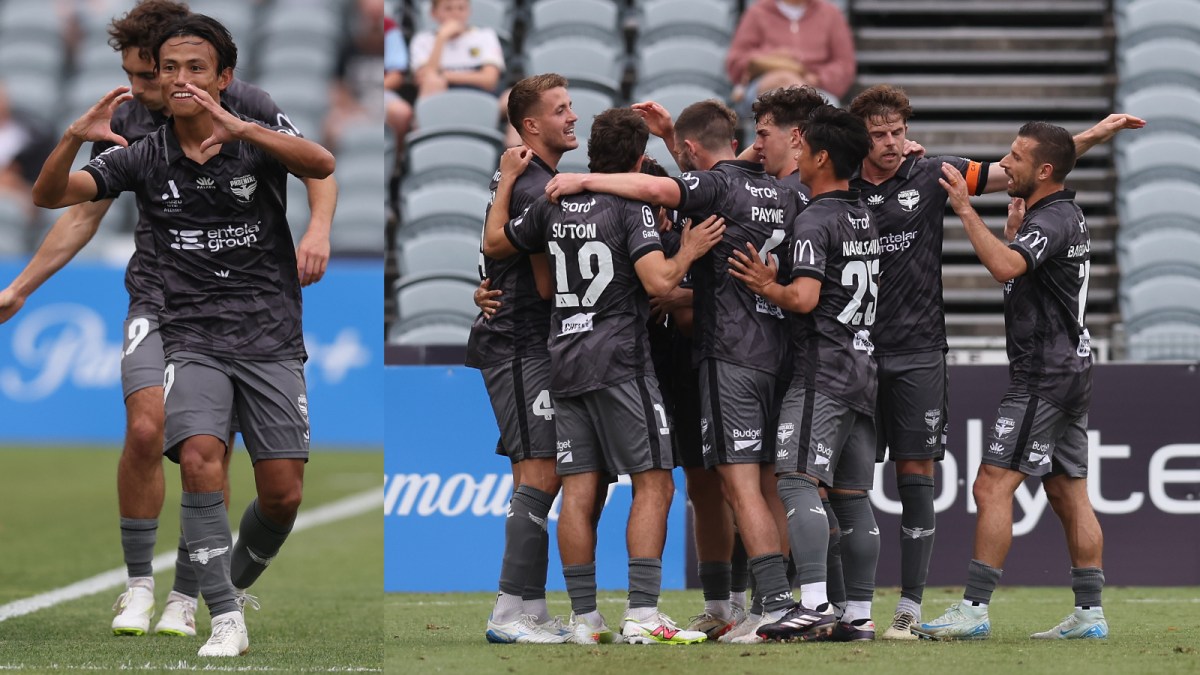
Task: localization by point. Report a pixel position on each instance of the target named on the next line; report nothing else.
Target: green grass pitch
(1154, 630)
(322, 603)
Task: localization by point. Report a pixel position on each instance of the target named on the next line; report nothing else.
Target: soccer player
(508, 344)
(230, 318)
(139, 471)
(910, 337)
(739, 336)
(826, 430)
(1041, 424)
(607, 257)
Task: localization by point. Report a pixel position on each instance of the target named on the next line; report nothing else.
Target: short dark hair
(206, 28)
(710, 123)
(526, 94)
(839, 133)
(138, 28)
(1055, 147)
(788, 107)
(618, 139)
(881, 102)
(651, 167)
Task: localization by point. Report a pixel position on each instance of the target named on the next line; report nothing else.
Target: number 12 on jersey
(600, 274)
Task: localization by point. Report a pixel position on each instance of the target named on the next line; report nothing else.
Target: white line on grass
(343, 508)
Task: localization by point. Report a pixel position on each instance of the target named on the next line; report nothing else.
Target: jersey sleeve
(975, 173)
(699, 193)
(641, 231)
(419, 50)
(810, 245)
(118, 170)
(256, 103)
(527, 232)
(1040, 239)
(261, 158)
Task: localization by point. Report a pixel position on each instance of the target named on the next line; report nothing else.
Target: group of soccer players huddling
(773, 323)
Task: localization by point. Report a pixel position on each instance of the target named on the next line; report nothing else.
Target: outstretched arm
(66, 237)
(636, 186)
(1102, 132)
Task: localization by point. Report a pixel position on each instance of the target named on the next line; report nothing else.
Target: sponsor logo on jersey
(932, 417)
(862, 342)
(908, 199)
(799, 249)
(243, 188)
(1035, 241)
(785, 432)
(766, 192)
(650, 234)
(931, 441)
(578, 323)
(565, 455)
(171, 201)
(996, 449)
(187, 240)
(824, 453)
(205, 183)
(863, 223)
(224, 274)
(691, 181)
(216, 239)
(874, 200)
(894, 243)
(1004, 426)
(747, 440)
(206, 554)
(704, 425)
(764, 306)
(577, 207)
(1084, 348)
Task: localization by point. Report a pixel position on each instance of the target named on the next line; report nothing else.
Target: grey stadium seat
(283, 55)
(598, 19)
(35, 93)
(358, 226)
(1158, 61)
(1144, 159)
(1150, 19)
(586, 104)
(36, 56)
(443, 206)
(458, 111)
(1160, 203)
(1159, 250)
(425, 297)
(439, 332)
(1165, 108)
(461, 158)
(585, 62)
(682, 61)
(453, 252)
(1171, 341)
(1165, 297)
(33, 19)
(677, 97)
(711, 20)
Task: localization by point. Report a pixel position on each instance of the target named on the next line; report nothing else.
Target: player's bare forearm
(1003, 262)
(495, 241)
(301, 156)
(1104, 130)
(52, 189)
(653, 189)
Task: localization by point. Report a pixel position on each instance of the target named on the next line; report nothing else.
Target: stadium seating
(456, 158)
(429, 298)
(442, 331)
(1162, 297)
(452, 252)
(1164, 202)
(1168, 341)
(676, 97)
(1165, 61)
(1145, 159)
(554, 19)
(707, 20)
(458, 111)
(1142, 20)
(443, 206)
(682, 61)
(31, 19)
(587, 63)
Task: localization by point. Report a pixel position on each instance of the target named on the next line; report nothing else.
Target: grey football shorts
(736, 406)
(520, 393)
(620, 429)
(142, 360)
(202, 394)
(912, 407)
(685, 420)
(825, 439)
(1037, 438)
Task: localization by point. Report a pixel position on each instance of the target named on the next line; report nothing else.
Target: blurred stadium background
(61, 414)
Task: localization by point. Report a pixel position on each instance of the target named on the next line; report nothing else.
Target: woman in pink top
(780, 43)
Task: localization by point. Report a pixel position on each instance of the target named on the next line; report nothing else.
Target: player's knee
(281, 505)
(144, 438)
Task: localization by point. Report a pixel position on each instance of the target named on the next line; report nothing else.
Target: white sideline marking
(343, 508)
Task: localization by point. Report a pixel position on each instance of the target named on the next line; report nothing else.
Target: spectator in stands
(357, 89)
(24, 145)
(458, 55)
(781, 43)
(395, 61)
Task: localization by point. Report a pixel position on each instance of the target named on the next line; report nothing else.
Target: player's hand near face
(1016, 216)
(701, 237)
(912, 148)
(226, 127)
(95, 124)
(749, 269)
(956, 186)
(514, 161)
(485, 298)
(564, 184)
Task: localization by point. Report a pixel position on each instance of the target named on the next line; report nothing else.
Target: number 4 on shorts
(542, 406)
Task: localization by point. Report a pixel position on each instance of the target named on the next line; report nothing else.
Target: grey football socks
(860, 544)
(916, 533)
(581, 587)
(836, 585)
(525, 546)
(259, 539)
(715, 580)
(982, 579)
(137, 542)
(808, 528)
(1087, 582)
(771, 582)
(739, 573)
(186, 581)
(645, 582)
(206, 528)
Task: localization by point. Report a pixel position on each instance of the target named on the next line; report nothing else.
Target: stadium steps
(975, 71)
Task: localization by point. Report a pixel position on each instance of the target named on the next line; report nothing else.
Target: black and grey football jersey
(521, 325)
(909, 209)
(1049, 348)
(835, 241)
(133, 122)
(223, 249)
(731, 323)
(598, 332)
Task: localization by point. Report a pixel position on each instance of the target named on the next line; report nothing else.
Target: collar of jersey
(903, 172)
(1063, 195)
(744, 165)
(842, 195)
(175, 152)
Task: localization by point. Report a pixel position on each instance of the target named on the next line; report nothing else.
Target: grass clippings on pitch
(1154, 630)
(321, 597)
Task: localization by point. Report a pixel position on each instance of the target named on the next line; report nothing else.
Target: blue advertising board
(60, 357)
(447, 491)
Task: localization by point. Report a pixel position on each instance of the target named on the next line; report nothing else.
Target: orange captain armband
(972, 177)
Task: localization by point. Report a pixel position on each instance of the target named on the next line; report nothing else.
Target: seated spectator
(781, 43)
(25, 143)
(358, 92)
(459, 55)
(395, 61)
